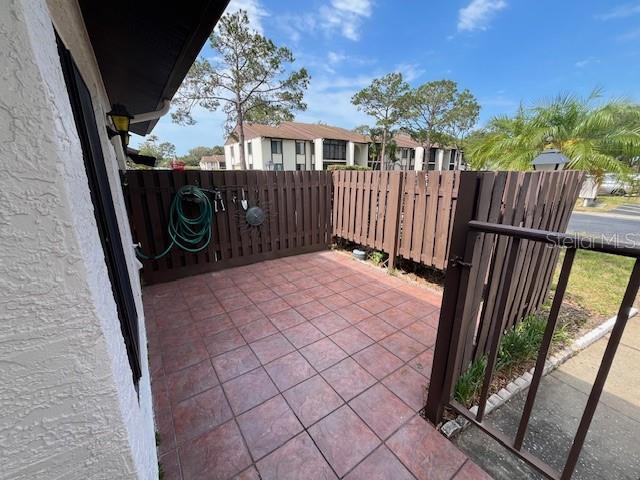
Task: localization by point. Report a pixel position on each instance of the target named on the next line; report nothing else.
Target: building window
(249, 149)
(431, 163)
(299, 148)
(276, 147)
(278, 167)
(300, 166)
(452, 160)
(334, 150)
(313, 148)
(405, 153)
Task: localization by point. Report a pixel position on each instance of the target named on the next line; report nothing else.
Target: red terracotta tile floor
(307, 367)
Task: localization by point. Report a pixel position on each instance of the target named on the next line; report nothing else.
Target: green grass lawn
(597, 281)
(607, 203)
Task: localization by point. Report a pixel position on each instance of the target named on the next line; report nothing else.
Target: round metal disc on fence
(255, 216)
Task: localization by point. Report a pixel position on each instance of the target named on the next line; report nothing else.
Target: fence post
(449, 325)
(395, 242)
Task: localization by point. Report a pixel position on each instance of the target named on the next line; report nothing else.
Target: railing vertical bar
(603, 371)
(497, 327)
(545, 346)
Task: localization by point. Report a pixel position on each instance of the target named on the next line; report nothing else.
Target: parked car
(612, 184)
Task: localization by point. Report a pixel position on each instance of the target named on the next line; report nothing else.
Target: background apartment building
(293, 146)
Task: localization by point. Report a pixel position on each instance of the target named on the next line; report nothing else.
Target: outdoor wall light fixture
(550, 159)
(121, 119)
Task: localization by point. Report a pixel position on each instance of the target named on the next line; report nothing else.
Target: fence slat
(441, 241)
(373, 210)
(382, 209)
(428, 238)
(409, 210)
(419, 218)
(167, 186)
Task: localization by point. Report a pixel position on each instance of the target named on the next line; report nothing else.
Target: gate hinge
(458, 262)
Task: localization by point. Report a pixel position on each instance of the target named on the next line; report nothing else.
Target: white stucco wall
(258, 154)
(68, 407)
(439, 159)
(419, 158)
(318, 152)
(289, 154)
(361, 154)
(232, 156)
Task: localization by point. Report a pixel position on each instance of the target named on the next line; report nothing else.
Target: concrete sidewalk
(612, 448)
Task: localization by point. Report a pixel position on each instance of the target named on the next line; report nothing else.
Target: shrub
(333, 168)
(470, 382)
(377, 257)
(518, 346)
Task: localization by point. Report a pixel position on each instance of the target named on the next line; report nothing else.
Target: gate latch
(458, 262)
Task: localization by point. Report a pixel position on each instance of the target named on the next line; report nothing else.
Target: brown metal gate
(471, 286)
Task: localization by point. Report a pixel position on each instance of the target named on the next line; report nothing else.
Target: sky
(506, 52)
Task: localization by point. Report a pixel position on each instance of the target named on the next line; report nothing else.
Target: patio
(313, 366)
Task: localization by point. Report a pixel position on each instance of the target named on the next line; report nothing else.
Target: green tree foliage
(438, 112)
(596, 137)
(248, 79)
(383, 100)
(194, 155)
(164, 152)
(375, 146)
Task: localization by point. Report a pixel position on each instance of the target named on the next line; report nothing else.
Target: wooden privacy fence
(526, 243)
(535, 200)
(412, 214)
(409, 214)
(297, 204)
(540, 200)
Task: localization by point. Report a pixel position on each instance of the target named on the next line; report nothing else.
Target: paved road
(612, 448)
(625, 227)
(628, 209)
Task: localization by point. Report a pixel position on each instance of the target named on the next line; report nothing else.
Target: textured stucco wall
(68, 408)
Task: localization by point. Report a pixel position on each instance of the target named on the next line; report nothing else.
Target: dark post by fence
(393, 223)
(449, 325)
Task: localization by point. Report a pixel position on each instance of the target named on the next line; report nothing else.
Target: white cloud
(478, 14)
(586, 61)
(621, 11)
(629, 36)
(410, 71)
(357, 7)
(335, 57)
(343, 17)
(329, 100)
(255, 11)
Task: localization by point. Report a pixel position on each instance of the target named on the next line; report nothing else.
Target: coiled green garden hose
(190, 234)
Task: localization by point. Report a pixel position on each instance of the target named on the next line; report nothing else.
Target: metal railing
(572, 244)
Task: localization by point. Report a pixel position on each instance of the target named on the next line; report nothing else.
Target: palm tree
(596, 138)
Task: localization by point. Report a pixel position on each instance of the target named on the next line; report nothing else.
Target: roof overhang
(144, 49)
